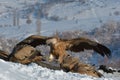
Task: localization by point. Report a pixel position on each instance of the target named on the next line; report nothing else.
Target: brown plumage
(80, 44)
(4, 55)
(26, 55)
(77, 45)
(58, 51)
(69, 63)
(73, 64)
(24, 52)
(32, 41)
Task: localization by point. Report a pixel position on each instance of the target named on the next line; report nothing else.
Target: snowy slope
(15, 71)
(71, 16)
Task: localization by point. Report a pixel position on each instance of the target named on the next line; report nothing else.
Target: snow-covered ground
(15, 71)
(69, 16)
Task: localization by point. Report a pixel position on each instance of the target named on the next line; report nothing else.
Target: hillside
(98, 20)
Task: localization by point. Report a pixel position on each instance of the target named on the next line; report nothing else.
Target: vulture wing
(80, 44)
(34, 40)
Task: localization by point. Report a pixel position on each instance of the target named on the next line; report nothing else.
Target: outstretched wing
(34, 40)
(80, 44)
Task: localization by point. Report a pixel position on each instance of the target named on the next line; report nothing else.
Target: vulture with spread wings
(70, 63)
(60, 45)
(25, 52)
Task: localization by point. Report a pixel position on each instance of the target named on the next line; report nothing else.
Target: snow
(72, 16)
(16, 71)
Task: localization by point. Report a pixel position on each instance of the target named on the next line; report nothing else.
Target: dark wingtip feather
(105, 50)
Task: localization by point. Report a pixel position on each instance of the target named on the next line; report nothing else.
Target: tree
(38, 25)
(15, 17)
(29, 21)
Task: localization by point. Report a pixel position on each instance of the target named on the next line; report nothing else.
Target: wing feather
(34, 40)
(80, 44)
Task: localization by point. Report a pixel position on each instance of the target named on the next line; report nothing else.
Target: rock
(119, 71)
(105, 69)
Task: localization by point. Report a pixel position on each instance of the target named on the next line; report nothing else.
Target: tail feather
(4, 55)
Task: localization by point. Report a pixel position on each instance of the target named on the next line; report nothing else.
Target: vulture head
(51, 41)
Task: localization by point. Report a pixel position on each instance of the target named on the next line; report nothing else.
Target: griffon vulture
(58, 49)
(24, 52)
(76, 45)
(69, 63)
